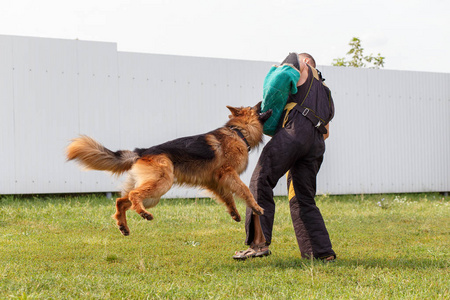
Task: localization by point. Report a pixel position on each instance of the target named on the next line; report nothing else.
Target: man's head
(307, 59)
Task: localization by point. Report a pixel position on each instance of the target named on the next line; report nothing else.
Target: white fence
(391, 132)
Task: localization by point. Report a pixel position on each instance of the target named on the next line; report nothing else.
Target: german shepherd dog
(212, 161)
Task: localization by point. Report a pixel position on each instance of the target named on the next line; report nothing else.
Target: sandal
(244, 254)
(328, 259)
(253, 251)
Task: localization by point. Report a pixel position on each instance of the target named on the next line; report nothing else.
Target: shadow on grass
(292, 263)
(94, 199)
(398, 263)
(98, 198)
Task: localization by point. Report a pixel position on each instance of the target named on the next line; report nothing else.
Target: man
(297, 147)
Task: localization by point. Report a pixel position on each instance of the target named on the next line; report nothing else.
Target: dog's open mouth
(264, 116)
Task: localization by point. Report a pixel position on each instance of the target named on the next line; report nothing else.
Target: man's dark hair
(310, 57)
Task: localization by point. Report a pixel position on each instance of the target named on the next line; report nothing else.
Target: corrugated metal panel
(7, 147)
(391, 132)
(98, 109)
(44, 86)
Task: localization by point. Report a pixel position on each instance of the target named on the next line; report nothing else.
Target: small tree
(358, 60)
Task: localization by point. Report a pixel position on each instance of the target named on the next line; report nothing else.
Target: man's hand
(325, 136)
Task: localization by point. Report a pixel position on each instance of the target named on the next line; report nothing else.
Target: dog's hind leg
(122, 205)
(154, 175)
(229, 179)
(149, 189)
(227, 198)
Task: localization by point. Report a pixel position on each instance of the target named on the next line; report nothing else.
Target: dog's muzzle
(264, 116)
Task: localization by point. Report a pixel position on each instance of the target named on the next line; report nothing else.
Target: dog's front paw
(147, 216)
(258, 210)
(124, 230)
(235, 216)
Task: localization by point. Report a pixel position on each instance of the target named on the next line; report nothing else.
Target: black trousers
(298, 148)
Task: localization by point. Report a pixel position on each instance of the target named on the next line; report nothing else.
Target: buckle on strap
(318, 124)
(305, 112)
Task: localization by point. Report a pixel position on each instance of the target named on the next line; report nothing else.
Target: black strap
(320, 76)
(319, 124)
(239, 133)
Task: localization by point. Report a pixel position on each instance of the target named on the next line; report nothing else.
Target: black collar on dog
(239, 133)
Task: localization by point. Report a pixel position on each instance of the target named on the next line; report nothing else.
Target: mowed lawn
(68, 247)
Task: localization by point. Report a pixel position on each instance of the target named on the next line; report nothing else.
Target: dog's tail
(93, 156)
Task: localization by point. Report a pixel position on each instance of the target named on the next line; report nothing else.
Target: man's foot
(259, 250)
(328, 259)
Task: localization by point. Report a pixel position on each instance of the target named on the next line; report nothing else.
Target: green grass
(69, 248)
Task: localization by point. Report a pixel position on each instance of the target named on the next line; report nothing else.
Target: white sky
(412, 35)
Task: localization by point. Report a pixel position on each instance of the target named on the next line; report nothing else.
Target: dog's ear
(234, 110)
(257, 107)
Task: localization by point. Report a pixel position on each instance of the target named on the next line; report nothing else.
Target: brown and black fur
(212, 161)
